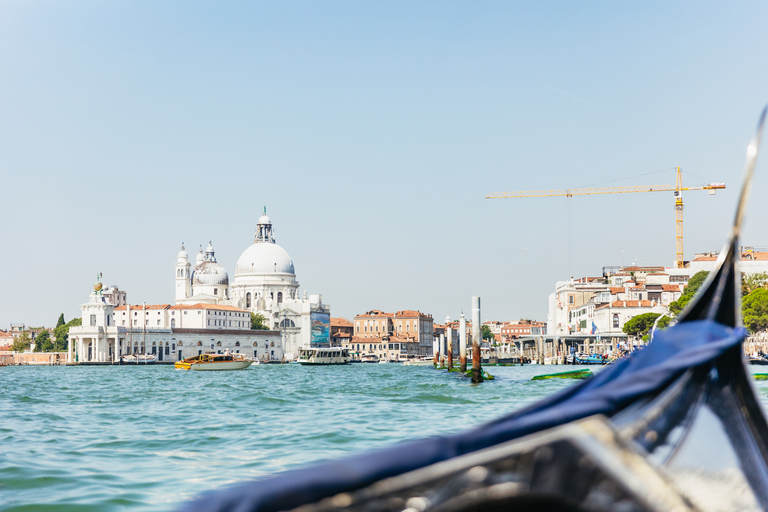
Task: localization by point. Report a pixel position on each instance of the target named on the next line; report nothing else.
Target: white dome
(264, 258)
(183, 254)
(209, 272)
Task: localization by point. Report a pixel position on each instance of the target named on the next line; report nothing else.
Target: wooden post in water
(477, 371)
(449, 336)
(462, 343)
(442, 349)
(435, 350)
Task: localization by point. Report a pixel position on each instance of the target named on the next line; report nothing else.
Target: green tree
(694, 283)
(486, 333)
(61, 334)
(752, 282)
(61, 320)
(22, 342)
(258, 322)
(43, 342)
(641, 324)
(755, 310)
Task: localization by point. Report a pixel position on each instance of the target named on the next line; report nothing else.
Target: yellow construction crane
(677, 189)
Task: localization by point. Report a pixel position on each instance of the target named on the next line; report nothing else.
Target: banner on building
(321, 328)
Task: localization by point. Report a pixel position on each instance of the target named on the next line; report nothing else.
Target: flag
(594, 328)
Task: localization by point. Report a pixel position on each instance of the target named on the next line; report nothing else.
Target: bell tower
(182, 275)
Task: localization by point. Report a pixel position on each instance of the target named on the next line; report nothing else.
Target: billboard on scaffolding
(321, 329)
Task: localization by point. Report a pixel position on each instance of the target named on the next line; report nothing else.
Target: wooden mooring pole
(477, 371)
(462, 343)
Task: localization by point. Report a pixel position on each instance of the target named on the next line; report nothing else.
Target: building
(170, 332)
(392, 335)
(264, 283)
(341, 330)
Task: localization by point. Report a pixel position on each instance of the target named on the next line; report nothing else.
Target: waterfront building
(410, 326)
(341, 330)
(264, 283)
(169, 332)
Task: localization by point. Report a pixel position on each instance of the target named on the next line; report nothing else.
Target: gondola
(676, 426)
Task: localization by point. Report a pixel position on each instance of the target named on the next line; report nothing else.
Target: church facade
(264, 283)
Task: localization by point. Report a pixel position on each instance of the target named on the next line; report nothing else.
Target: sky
(372, 132)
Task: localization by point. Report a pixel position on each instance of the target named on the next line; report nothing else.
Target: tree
(61, 334)
(641, 324)
(43, 342)
(752, 282)
(755, 310)
(22, 342)
(694, 283)
(486, 333)
(61, 320)
(258, 322)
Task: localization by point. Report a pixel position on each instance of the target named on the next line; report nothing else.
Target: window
(215, 291)
(279, 297)
(616, 320)
(570, 299)
(173, 324)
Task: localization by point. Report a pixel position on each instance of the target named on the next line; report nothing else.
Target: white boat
(423, 361)
(131, 358)
(208, 362)
(324, 356)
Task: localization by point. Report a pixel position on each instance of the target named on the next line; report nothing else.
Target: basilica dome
(264, 258)
(209, 271)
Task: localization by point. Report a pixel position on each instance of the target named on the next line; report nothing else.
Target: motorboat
(208, 362)
(421, 361)
(675, 426)
(139, 358)
(369, 358)
(323, 356)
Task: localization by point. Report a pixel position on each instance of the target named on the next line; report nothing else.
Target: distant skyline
(372, 132)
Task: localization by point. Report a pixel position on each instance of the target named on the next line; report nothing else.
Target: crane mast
(678, 189)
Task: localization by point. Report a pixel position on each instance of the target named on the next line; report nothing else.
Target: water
(148, 437)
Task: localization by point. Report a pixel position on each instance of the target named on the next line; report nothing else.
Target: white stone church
(264, 283)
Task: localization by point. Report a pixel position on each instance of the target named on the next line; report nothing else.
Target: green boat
(573, 374)
(760, 376)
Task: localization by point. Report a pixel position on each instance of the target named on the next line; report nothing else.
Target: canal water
(149, 437)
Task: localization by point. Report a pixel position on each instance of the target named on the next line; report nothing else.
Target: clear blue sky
(372, 132)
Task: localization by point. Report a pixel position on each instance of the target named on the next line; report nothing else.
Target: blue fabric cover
(645, 373)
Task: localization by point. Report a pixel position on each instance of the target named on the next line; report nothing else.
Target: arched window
(272, 344)
(173, 323)
(616, 320)
(237, 343)
(181, 344)
(279, 297)
(255, 344)
(218, 343)
(287, 322)
(199, 343)
(248, 299)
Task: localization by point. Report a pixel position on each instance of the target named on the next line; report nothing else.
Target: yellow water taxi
(205, 362)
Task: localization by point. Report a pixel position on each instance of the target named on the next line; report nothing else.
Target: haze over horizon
(372, 132)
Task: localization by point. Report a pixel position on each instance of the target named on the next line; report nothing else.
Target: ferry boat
(324, 356)
(206, 362)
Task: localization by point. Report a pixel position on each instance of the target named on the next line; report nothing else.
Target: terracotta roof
(5, 348)
(409, 313)
(628, 304)
(140, 307)
(341, 321)
(670, 287)
(705, 258)
(658, 274)
(341, 335)
(616, 290)
(374, 313)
